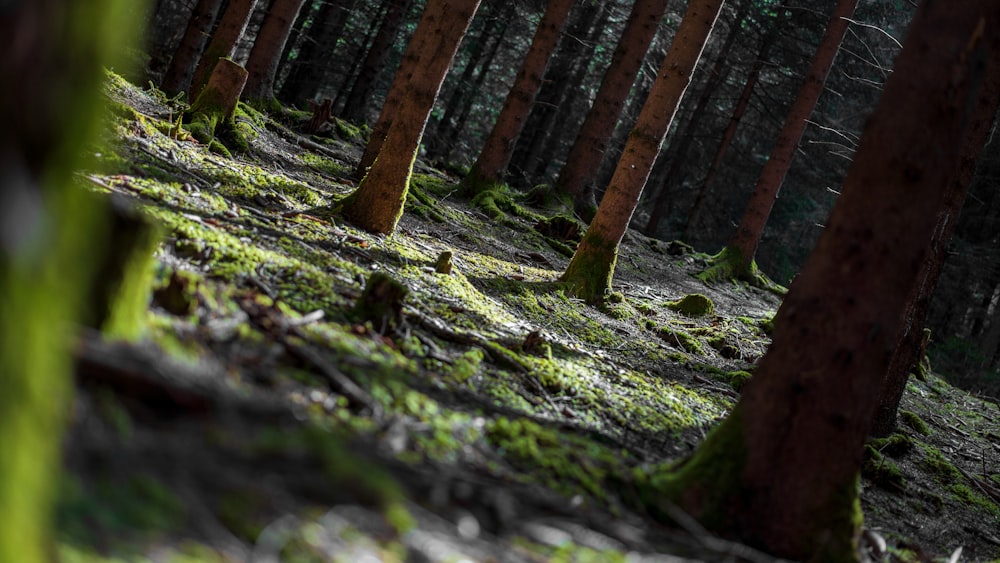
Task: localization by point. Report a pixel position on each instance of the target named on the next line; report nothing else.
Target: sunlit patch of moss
(735, 379)
(680, 338)
(467, 365)
(325, 164)
(563, 462)
(498, 201)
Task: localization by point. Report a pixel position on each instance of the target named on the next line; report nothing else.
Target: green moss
(966, 495)
(881, 471)
(937, 465)
(735, 379)
(730, 264)
(895, 445)
(681, 338)
(694, 305)
(590, 271)
(467, 365)
(914, 421)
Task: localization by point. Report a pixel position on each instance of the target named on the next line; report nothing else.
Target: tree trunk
(217, 100)
(309, 69)
(590, 270)
(356, 102)
(491, 166)
(466, 102)
(747, 237)
(377, 204)
(911, 343)
(355, 55)
(51, 233)
(681, 140)
(727, 137)
(227, 34)
(483, 48)
(590, 22)
(781, 472)
(181, 69)
(262, 66)
(585, 157)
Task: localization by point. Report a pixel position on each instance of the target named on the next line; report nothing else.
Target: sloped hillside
(276, 410)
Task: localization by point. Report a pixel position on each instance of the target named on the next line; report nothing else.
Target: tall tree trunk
(355, 54)
(483, 48)
(181, 69)
(681, 140)
(585, 157)
(589, 22)
(355, 103)
(262, 66)
(378, 202)
(491, 166)
(227, 34)
(307, 72)
(295, 38)
(781, 472)
(51, 234)
(743, 246)
(467, 102)
(590, 270)
(727, 137)
(907, 354)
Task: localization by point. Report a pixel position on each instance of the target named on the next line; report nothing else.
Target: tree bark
(378, 202)
(182, 64)
(491, 166)
(355, 104)
(751, 227)
(781, 472)
(911, 342)
(727, 137)
(585, 156)
(309, 69)
(590, 270)
(262, 66)
(681, 140)
(563, 77)
(227, 34)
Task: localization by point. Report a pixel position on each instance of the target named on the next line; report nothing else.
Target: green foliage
(881, 471)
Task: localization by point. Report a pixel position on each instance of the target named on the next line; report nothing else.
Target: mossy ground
(498, 398)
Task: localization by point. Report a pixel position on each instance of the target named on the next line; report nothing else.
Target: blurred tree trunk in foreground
(51, 233)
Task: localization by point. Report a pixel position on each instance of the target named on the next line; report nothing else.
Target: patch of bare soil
(492, 417)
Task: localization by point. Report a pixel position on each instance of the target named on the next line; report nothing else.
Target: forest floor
(493, 418)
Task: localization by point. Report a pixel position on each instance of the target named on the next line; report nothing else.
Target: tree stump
(217, 101)
(321, 115)
(381, 303)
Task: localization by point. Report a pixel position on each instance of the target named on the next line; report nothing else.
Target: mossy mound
(693, 305)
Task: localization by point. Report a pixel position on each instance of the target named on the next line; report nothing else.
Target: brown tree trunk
(727, 137)
(227, 34)
(563, 81)
(181, 69)
(262, 66)
(585, 157)
(309, 69)
(744, 243)
(681, 140)
(590, 270)
(781, 472)
(355, 104)
(491, 166)
(377, 204)
(907, 355)
(480, 57)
